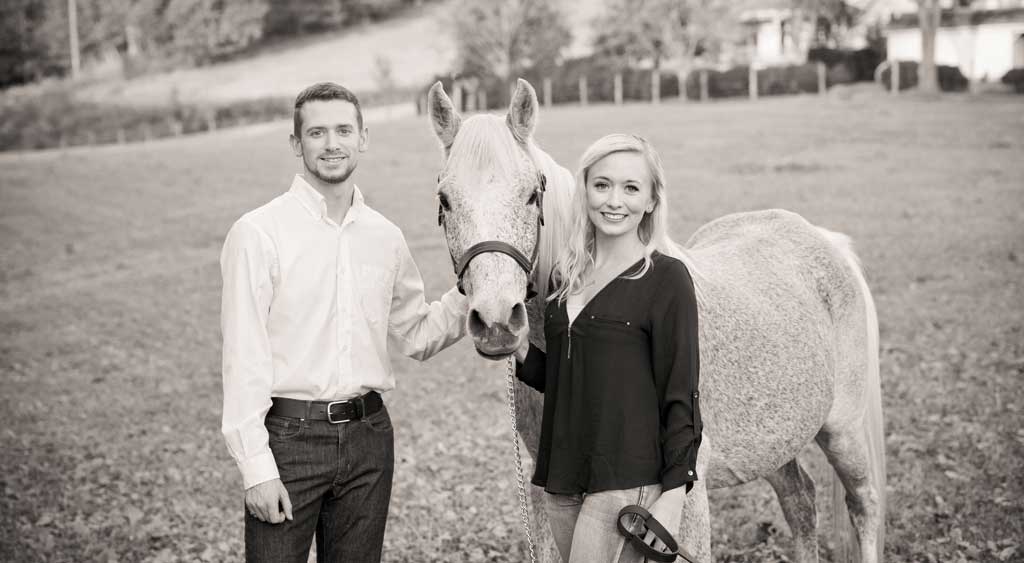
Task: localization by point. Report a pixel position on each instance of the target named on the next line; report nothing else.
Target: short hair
(324, 91)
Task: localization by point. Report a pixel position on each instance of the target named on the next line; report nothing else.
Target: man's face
(330, 140)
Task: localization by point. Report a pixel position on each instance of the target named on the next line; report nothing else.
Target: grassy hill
(414, 47)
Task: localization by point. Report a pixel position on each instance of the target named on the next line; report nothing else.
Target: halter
(527, 264)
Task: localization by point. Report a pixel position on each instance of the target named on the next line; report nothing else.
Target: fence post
(655, 86)
(618, 88)
(822, 84)
(583, 89)
(752, 82)
(547, 92)
(703, 84)
(147, 133)
(457, 96)
(211, 119)
(894, 78)
(481, 99)
(90, 137)
(120, 136)
(470, 99)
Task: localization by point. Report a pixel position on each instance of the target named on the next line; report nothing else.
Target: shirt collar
(316, 204)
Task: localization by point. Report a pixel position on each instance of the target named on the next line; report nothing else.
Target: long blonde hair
(578, 255)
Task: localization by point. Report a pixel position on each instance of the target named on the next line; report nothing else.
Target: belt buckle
(330, 417)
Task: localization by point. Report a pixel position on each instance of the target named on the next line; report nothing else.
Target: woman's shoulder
(669, 267)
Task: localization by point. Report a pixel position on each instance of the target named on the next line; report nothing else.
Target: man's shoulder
(382, 224)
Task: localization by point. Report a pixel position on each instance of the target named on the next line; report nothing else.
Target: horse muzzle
(497, 331)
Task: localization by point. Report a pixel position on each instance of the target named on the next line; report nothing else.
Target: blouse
(620, 386)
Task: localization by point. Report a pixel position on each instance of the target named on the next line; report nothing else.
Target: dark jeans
(338, 478)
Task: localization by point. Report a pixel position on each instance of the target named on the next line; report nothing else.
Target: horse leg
(847, 451)
(795, 490)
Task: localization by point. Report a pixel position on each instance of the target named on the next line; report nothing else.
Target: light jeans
(584, 526)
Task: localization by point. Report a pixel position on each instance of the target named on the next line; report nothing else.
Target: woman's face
(619, 193)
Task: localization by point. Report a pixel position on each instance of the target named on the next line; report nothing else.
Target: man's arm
(419, 329)
(247, 360)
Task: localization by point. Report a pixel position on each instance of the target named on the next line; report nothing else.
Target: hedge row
(859, 64)
(565, 84)
(950, 77)
(771, 81)
(54, 118)
(1015, 77)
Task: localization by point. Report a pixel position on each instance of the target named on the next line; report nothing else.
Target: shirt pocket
(374, 287)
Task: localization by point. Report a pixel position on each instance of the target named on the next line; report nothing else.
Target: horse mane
(485, 142)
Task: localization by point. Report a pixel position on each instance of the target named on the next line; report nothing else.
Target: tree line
(35, 38)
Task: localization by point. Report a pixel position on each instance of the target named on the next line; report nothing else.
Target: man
(317, 286)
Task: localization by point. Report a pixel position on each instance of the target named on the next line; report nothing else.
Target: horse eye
(444, 202)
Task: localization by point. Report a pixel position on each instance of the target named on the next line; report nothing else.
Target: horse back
(776, 297)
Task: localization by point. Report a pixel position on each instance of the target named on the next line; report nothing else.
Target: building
(984, 40)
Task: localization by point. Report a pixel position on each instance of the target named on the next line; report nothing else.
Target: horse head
(491, 205)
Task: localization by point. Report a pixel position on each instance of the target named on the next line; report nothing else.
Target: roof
(952, 18)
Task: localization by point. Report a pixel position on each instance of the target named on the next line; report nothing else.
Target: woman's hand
(668, 510)
(523, 349)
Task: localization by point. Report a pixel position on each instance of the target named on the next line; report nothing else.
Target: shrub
(858, 65)
(771, 81)
(636, 83)
(950, 77)
(1015, 78)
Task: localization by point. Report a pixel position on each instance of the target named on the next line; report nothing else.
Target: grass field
(109, 336)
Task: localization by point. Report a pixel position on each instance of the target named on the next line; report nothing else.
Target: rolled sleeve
(533, 370)
(677, 376)
(247, 359)
(420, 329)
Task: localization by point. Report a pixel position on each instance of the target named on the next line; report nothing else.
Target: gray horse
(788, 328)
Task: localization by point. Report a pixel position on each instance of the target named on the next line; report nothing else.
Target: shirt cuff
(682, 470)
(258, 469)
(455, 301)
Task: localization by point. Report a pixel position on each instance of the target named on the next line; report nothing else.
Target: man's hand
(269, 502)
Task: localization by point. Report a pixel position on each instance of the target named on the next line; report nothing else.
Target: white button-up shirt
(309, 309)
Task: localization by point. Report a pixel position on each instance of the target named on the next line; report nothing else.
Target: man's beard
(343, 175)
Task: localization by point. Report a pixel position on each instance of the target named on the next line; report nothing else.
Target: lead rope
(524, 513)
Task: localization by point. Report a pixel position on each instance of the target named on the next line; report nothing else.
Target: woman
(621, 422)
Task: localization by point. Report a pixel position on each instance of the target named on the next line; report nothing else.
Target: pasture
(110, 339)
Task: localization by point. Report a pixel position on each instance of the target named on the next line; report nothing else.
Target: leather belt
(334, 412)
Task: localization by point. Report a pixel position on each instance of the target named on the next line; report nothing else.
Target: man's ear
(296, 144)
(364, 139)
(443, 116)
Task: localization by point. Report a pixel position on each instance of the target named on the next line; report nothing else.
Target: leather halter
(527, 264)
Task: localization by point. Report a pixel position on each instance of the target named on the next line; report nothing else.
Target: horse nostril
(518, 318)
(477, 326)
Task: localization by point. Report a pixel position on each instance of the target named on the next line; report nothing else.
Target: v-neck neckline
(594, 297)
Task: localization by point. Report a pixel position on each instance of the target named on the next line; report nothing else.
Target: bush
(771, 81)
(950, 77)
(1015, 78)
(636, 83)
(858, 65)
(53, 118)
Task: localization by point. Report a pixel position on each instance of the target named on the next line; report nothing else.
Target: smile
(614, 217)
(332, 159)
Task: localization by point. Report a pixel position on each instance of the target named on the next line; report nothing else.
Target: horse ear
(443, 116)
(522, 111)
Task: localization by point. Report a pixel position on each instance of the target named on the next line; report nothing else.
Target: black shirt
(621, 386)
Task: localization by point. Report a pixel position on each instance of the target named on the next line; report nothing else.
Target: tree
(504, 38)
(929, 14)
(640, 31)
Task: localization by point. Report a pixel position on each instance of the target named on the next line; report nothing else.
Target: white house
(984, 41)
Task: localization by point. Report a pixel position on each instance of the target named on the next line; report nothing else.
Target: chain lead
(524, 512)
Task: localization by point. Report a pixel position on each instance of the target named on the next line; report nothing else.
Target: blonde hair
(578, 255)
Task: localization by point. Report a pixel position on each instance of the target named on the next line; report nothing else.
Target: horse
(787, 325)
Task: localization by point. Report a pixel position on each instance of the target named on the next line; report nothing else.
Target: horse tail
(874, 436)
